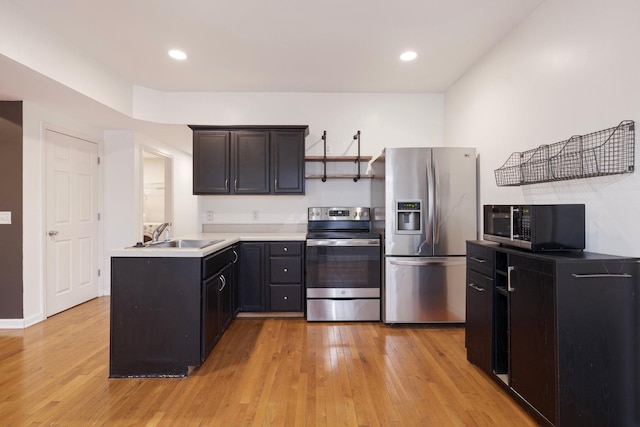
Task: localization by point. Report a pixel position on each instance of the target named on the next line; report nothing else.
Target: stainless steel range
(343, 265)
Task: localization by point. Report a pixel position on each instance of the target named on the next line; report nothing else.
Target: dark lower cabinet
(533, 341)
(478, 319)
(564, 335)
(168, 313)
(479, 293)
(155, 316)
(217, 296)
(252, 277)
(271, 276)
(286, 276)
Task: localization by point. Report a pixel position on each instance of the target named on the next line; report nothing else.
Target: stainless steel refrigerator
(424, 205)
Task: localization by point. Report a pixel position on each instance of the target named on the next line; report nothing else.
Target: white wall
(34, 119)
(123, 195)
(383, 120)
(572, 67)
(26, 41)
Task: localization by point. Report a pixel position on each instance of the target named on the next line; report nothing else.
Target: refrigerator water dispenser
(409, 217)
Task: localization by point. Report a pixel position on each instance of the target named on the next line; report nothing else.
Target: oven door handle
(423, 262)
(343, 242)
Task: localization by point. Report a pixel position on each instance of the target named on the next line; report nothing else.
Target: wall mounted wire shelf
(605, 152)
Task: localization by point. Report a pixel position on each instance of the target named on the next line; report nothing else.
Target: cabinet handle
(224, 283)
(285, 297)
(285, 270)
(235, 257)
(286, 249)
(593, 276)
(276, 184)
(476, 287)
(509, 270)
(226, 184)
(480, 260)
(235, 184)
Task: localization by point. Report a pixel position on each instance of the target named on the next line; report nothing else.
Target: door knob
(53, 233)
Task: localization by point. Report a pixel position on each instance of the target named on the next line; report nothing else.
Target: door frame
(43, 225)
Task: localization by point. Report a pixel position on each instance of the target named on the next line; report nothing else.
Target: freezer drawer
(424, 290)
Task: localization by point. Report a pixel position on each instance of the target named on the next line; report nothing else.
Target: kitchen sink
(184, 243)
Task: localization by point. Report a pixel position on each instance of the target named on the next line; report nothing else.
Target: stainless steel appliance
(342, 265)
(424, 204)
(536, 227)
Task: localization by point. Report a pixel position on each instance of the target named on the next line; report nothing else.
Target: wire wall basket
(606, 152)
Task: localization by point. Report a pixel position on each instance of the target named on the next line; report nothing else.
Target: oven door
(343, 268)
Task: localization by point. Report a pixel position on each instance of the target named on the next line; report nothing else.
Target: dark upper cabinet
(287, 154)
(250, 162)
(248, 159)
(211, 162)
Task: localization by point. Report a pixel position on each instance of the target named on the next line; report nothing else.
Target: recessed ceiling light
(409, 56)
(177, 54)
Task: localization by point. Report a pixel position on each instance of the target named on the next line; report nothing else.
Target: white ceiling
(283, 45)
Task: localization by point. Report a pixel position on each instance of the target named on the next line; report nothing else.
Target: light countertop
(227, 240)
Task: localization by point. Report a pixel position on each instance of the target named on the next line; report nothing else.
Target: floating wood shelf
(337, 158)
(336, 176)
(326, 159)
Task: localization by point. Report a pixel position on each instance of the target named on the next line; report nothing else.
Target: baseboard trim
(269, 314)
(12, 324)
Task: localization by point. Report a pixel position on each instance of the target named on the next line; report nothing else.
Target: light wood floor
(276, 372)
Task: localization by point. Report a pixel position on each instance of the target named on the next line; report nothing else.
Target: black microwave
(536, 227)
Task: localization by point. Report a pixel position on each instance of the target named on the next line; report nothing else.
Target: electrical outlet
(255, 215)
(209, 215)
(5, 217)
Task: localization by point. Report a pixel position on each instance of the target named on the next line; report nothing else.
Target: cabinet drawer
(479, 281)
(286, 297)
(216, 262)
(285, 248)
(286, 270)
(480, 259)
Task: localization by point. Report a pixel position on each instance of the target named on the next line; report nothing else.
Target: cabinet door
(598, 325)
(252, 276)
(211, 162)
(478, 320)
(210, 317)
(532, 335)
(251, 162)
(235, 279)
(225, 292)
(287, 148)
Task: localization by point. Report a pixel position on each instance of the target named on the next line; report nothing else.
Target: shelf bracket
(357, 137)
(324, 157)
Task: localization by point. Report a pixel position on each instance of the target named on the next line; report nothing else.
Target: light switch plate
(5, 217)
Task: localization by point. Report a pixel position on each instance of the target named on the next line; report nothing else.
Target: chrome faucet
(158, 231)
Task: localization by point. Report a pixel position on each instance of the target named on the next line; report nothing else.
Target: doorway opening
(157, 191)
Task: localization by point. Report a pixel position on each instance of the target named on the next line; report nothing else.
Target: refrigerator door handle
(423, 262)
(436, 207)
(430, 202)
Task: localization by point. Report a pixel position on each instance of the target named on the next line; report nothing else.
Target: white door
(72, 221)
